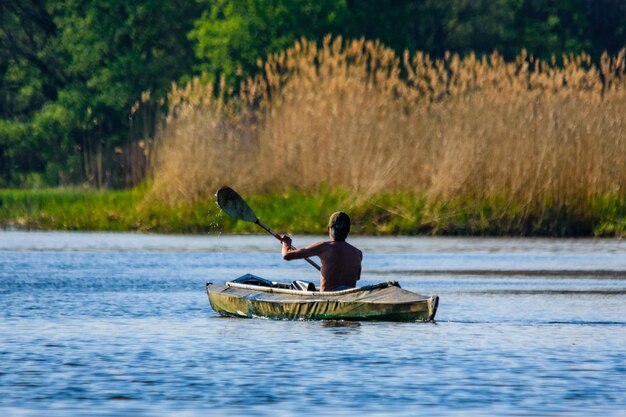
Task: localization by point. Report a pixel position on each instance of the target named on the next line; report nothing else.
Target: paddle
(235, 206)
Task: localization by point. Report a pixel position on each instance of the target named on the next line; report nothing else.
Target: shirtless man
(341, 262)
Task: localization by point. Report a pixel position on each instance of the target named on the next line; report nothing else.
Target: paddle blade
(234, 205)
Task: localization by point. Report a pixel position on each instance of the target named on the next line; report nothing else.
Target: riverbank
(306, 213)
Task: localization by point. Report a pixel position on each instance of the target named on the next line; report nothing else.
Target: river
(113, 324)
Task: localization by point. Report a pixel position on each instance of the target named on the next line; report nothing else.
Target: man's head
(338, 226)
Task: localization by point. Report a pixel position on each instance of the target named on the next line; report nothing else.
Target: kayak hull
(384, 302)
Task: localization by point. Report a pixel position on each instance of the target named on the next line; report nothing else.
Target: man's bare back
(341, 262)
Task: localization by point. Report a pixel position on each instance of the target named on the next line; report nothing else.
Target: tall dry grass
(353, 114)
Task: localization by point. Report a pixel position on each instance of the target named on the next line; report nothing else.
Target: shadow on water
(340, 324)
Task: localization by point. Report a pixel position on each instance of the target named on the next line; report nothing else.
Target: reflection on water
(119, 324)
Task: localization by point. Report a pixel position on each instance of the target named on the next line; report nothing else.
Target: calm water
(119, 324)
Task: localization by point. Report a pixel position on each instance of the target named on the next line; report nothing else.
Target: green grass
(398, 213)
(76, 209)
(69, 209)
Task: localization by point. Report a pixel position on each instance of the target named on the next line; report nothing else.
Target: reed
(353, 115)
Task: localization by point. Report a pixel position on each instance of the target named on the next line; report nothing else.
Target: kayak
(251, 296)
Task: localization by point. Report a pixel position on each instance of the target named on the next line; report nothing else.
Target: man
(341, 262)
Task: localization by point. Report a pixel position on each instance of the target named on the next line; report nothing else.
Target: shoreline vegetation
(409, 144)
(295, 212)
(457, 145)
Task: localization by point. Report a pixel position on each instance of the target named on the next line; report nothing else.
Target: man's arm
(289, 254)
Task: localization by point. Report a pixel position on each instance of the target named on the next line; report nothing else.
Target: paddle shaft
(279, 237)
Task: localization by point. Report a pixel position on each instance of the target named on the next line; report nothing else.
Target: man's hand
(286, 241)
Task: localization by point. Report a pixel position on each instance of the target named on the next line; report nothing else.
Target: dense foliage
(71, 71)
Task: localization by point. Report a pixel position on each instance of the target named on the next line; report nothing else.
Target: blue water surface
(119, 324)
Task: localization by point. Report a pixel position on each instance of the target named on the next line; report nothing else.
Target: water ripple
(119, 325)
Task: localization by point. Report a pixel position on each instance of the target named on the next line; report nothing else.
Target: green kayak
(251, 296)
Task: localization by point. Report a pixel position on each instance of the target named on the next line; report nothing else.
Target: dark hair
(339, 225)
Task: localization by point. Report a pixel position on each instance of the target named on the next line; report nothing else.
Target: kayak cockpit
(249, 279)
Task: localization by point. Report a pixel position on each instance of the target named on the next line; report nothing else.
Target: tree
(74, 68)
(606, 28)
(30, 75)
(230, 36)
(545, 28)
(234, 34)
